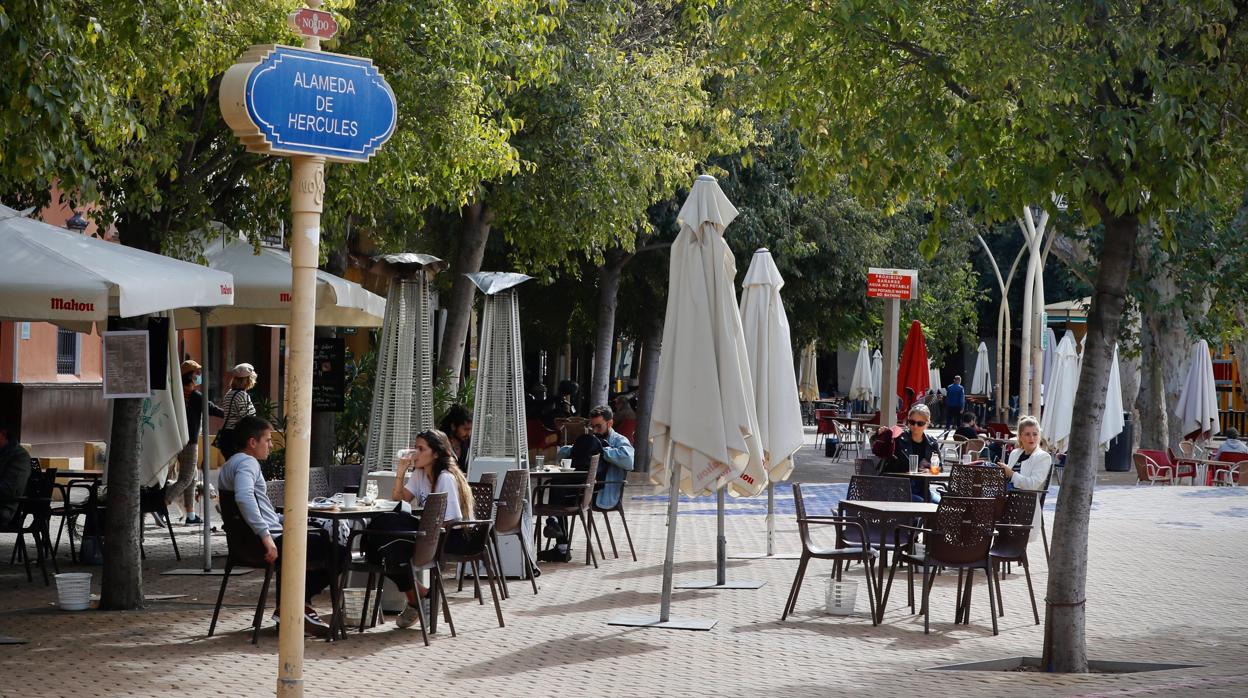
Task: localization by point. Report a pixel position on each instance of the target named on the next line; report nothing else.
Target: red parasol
(913, 372)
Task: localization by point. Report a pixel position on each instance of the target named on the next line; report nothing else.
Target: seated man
(1231, 445)
(14, 473)
(969, 428)
(616, 459)
(241, 475)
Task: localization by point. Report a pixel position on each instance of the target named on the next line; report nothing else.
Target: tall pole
(888, 374)
(673, 498)
(204, 500)
(307, 196)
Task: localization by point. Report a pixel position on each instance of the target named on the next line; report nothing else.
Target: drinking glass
(541, 462)
(914, 464)
(966, 458)
(370, 490)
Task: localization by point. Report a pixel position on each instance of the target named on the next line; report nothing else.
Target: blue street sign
(301, 102)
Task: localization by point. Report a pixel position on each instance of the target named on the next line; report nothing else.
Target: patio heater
(499, 440)
(403, 381)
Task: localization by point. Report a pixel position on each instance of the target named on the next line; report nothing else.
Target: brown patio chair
(959, 538)
(579, 488)
(619, 509)
(483, 510)
(846, 527)
(509, 517)
(866, 466)
(426, 542)
(244, 549)
(469, 542)
(978, 481)
(1010, 544)
(33, 517)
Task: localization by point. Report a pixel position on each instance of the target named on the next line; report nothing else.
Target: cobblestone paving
(1166, 583)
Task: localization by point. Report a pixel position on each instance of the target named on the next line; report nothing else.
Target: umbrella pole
(673, 497)
(721, 542)
(205, 500)
(771, 518)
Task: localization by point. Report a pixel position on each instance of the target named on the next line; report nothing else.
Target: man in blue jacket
(955, 402)
(616, 459)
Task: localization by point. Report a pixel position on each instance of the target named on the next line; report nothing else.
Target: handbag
(224, 441)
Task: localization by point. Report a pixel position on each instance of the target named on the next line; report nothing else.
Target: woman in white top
(433, 469)
(1027, 467)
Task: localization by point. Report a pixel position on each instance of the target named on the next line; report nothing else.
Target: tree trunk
(651, 346)
(1241, 351)
(1065, 642)
(476, 232)
(122, 584)
(604, 339)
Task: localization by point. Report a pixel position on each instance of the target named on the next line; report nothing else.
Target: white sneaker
(408, 617)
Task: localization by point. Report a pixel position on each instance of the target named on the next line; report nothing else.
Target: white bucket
(73, 591)
(841, 597)
(353, 604)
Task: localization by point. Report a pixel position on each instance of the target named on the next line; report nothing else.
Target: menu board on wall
(329, 375)
(126, 371)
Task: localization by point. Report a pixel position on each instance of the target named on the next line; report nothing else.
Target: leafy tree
(1130, 108)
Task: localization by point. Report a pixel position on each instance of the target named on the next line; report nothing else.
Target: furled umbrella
(877, 376)
(1197, 409)
(1112, 421)
(704, 432)
(1060, 405)
(808, 380)
(981, 379)
(913, 370)
(860, 386)
(1050, 354)
(770, 349)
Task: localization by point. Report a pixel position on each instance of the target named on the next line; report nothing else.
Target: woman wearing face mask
(192, 377)
(1027, 467)
(433, 469)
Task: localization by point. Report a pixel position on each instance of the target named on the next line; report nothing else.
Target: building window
(66, 352)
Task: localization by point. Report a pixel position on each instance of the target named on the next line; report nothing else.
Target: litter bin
(1118, 457)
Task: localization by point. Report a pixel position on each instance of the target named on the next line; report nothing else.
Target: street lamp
(77, 223)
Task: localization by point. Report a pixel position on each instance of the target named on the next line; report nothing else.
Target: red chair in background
(1226, 470)
(824, 424)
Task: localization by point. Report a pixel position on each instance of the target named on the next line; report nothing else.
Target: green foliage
(273, 468)
(444, 395)
(351, 425)
(1127, 107)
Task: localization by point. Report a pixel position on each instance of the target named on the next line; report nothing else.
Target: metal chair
(33, 517)
(959, 539)
(824, 424)
(1150, 471)
(509, 519)
(619, 509)
(1010, 544)
(570, 505)
(846, 528)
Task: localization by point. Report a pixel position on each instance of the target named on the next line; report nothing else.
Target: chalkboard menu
(329, 371)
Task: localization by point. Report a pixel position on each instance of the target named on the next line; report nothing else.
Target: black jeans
(395, 556)
(318, 574)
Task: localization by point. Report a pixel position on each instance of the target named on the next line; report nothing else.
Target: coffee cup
(348, 499)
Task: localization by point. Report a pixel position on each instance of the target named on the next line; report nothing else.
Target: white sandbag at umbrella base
(1197, 408)
(769, 345)
(48, 274)
(703, 427)
(262, 291)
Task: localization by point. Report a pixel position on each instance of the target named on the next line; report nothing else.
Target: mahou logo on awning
(72, 305)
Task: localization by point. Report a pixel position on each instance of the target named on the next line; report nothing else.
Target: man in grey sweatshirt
(241, 478)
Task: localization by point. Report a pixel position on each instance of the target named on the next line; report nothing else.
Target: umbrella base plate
(765, 556)
(197, 572)
(725, 585)
(672, 623)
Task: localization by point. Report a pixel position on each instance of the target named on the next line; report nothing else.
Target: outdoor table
(896, 512)
(337, 629)
(1203, 476)
(926, 477)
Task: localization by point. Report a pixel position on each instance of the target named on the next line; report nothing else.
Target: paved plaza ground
(1166, 583)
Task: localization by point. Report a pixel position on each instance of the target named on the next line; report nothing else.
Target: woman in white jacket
(1028, 466)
